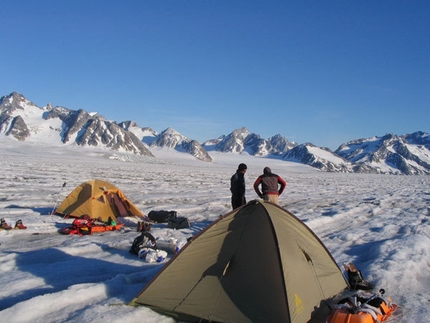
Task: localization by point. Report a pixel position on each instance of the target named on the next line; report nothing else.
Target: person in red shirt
(272, 185)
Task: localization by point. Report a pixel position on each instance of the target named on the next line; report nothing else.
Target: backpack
(161, 216)
(142, 241)
(81, 226)
(178, 223)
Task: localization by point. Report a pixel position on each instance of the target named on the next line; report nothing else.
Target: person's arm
(282, 183)
(241, 186)
(256, 189)
(233, 184)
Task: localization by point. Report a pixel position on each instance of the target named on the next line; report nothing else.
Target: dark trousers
(237, 201)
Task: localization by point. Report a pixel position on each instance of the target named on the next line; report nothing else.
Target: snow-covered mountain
(22, 120)
(147, 135)
(391, 154)
(170, 138)
(242, 140)
(321, 158)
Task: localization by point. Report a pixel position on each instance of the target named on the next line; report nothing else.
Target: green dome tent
(258, 263)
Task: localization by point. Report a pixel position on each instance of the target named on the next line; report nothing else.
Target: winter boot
(143, 226)
(4, 225)
(356, 280)
(19, 225)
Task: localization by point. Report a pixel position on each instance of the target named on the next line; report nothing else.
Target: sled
(90, 230)
(343, 315)
(374, 310)
(103, 228)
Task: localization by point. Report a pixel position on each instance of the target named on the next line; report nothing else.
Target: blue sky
(324, 72)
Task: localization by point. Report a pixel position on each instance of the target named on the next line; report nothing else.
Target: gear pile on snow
(359, 304)
(150, 249)
(363, 307)
(85, 225)
(144, 240)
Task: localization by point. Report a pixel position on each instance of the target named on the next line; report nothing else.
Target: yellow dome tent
(99, 200)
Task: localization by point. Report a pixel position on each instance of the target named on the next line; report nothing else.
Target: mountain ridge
(21, 119)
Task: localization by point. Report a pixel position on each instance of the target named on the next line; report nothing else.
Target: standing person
(269, 186)
(237, 187)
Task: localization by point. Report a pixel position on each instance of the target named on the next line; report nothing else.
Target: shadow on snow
(60, 271)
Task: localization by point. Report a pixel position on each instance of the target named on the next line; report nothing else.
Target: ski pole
(56, 203)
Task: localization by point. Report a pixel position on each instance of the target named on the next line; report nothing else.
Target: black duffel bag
(178, 223)
(161, 216)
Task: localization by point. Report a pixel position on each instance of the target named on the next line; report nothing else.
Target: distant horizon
(319, 72)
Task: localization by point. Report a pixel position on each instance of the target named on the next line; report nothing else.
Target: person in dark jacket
(237, 187)
(272, 186)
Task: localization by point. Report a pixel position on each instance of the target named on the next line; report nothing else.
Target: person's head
(267, 170)
(242, 168)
